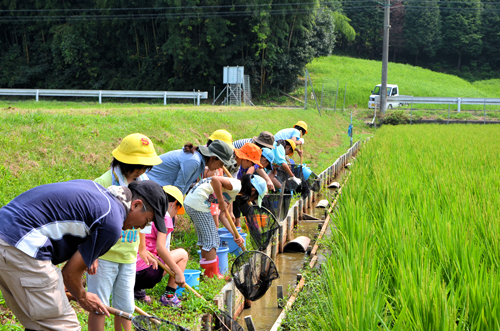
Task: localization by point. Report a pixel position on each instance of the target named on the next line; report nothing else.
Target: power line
(165, 15)
(213, 14)
(184, 7)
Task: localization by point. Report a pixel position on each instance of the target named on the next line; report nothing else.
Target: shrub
(394, 118)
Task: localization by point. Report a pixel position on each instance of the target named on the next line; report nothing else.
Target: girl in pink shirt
(147, 276)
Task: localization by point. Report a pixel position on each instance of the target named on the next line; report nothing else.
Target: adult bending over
(182, 167)
(75, 221)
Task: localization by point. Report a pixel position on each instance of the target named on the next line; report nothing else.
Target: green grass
(416, 240)
(490, 87)
(361, 77)
(50, 141)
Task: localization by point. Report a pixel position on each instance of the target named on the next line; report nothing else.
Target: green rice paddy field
(417, 238)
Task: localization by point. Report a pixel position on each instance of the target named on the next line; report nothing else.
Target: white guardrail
(107, 94)
(442, 100)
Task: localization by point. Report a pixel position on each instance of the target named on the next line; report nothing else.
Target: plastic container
(192, 279)
(261, 220)
(224, 230)
(306, 171)
(233, 248)
(223, 262)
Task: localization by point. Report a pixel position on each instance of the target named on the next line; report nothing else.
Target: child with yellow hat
(296, 134)
(131, 159)
(158, 243)
(282, 150)
(114, 272)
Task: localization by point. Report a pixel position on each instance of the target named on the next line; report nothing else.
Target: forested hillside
(181, 45)
(159, 45)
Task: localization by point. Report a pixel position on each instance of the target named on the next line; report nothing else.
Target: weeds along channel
(416, 240)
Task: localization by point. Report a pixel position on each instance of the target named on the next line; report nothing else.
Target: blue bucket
(224, 230)
(192, 279)
(229, 240)
(222, 255)
(306, 171)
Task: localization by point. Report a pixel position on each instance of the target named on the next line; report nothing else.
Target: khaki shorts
(34, 291)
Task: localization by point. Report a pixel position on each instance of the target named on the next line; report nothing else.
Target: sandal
(142, 296)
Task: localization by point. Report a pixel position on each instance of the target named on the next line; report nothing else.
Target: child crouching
(159, 245)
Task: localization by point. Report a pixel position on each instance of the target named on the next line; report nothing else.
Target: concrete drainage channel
(265, 313)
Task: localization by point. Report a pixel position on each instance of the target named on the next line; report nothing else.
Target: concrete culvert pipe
(322, 204)
(334, 185)
(298, 245)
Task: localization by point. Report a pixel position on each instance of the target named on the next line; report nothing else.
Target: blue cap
(260, 185)
(269, 155)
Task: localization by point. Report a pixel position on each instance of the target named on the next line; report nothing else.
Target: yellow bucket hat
(136, 148)
(302, 124)
(292, 143)
(222, 135)
(177, 194)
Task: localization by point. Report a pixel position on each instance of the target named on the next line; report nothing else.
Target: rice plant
(417, 241)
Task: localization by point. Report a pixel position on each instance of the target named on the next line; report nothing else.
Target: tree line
(460, 36)
(161, 45)
(183, 45)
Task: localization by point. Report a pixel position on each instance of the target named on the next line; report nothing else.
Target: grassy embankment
(361, 77)
(50, 142)
(416, 240)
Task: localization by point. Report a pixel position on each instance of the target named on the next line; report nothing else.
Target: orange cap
(250, 152)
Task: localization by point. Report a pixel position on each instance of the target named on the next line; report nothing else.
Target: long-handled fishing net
(311, 183)
(253, 274)
(254, 262)
(289, 185)
(152, 323)
(272, 203)
(142, 322)
(312, 180)
(261, 225)
(223, 322)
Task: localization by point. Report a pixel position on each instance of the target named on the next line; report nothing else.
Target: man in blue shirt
(75, 221)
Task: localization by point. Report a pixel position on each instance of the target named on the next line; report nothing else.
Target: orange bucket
(261, 220)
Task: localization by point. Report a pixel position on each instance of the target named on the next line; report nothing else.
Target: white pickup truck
(392, 91)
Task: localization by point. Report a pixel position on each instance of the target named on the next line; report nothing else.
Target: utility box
(233, 75)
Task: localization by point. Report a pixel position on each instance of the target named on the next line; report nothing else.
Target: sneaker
(142, 296)
(169, 299)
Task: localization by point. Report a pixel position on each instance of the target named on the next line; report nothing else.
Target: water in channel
(265, 311)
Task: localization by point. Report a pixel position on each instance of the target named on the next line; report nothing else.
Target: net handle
(228, 216)
(280, 202)
(300, 148)
(171, 273)
(123, 314)
(111, 310)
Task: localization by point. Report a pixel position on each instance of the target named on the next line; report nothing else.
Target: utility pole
(385, 56)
